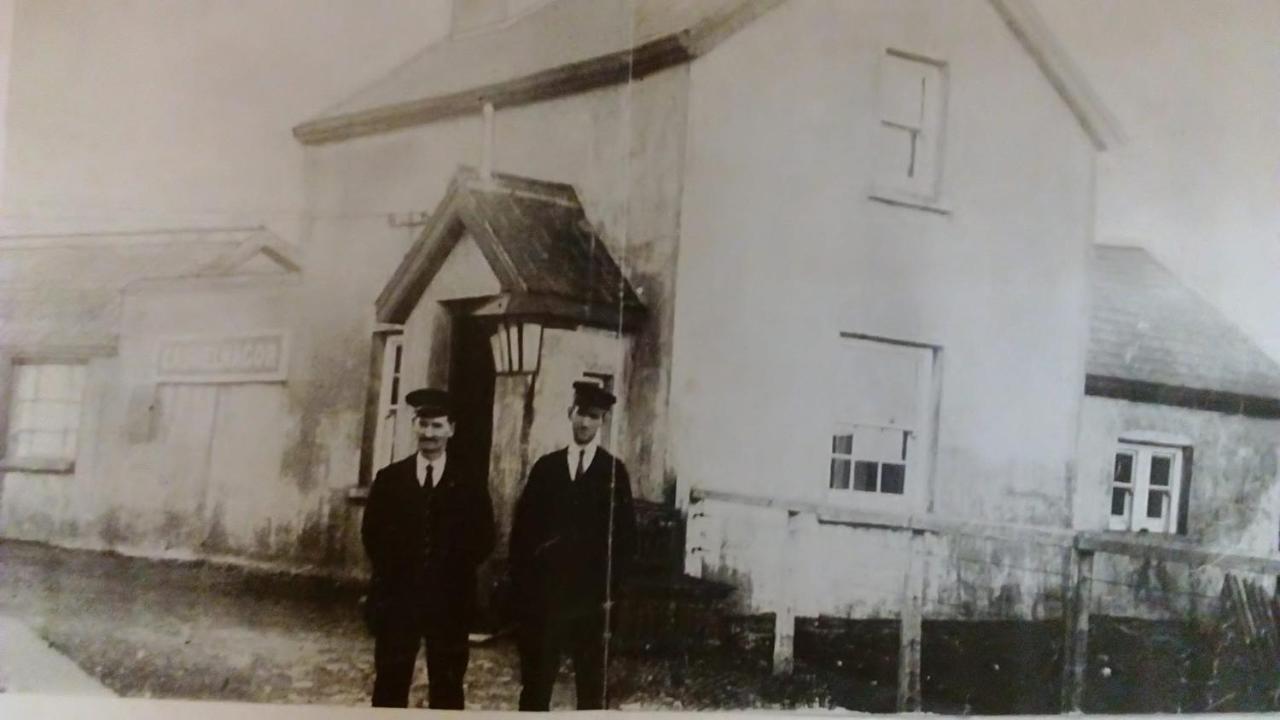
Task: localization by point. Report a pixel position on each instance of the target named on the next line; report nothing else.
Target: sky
(1193, 84)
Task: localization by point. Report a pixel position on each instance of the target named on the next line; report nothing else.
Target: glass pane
(1124, 468)
(23, 415)
(20, 444)
(44, 416)
(76, 385)
(839, 474)
(26, 381)
(1160, 468)
(399, 357)
(1156, 504)
(46, 444)
(54, 382)
(864, 476)
(1120, 501)
(842, 444)
(395, 390)
(893, 478)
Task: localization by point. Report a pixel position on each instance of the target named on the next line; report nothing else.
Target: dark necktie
(578, 473)
(430, 480)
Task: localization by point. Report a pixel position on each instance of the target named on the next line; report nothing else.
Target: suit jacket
(424, 544)
(560, 538)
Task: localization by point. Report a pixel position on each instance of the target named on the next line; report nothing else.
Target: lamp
(517, 346)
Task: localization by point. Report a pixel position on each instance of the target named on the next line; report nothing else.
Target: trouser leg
(589, 670)
(395, 652)
(539, 644)
(447, 656)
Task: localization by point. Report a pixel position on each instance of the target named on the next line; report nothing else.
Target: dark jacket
(424, 545)
(560, 538)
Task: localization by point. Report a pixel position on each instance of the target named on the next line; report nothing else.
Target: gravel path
(148, 628)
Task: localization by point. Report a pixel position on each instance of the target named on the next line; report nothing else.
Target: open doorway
(471, 374)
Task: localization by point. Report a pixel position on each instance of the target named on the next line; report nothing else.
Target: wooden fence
(1083, 546)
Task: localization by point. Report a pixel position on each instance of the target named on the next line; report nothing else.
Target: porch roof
(1153, 339)
(549, 261)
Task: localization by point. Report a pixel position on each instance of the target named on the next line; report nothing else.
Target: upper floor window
(884, 417)
(911, 105)
(44, 412)
(1147, 487)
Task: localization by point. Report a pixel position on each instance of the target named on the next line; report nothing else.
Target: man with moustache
(573, 535)
(427, 525)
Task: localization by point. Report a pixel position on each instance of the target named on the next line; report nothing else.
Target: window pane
(864, 476)
(1156, 502)
(1124, 468)
(1160, 467)
(76, 384)
(26, 381)
(20, 444)
(893, 478)
(839, 474)
(46, 444)
(1120, 501)
(842, 444)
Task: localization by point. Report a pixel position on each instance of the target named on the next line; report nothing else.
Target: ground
(147, 628)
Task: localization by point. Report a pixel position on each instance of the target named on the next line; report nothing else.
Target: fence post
(912, 629)
(1075, 651)
(784, 627)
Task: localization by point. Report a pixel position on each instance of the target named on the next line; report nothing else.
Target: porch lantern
(517, 346)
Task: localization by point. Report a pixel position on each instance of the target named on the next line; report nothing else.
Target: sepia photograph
(786, 356)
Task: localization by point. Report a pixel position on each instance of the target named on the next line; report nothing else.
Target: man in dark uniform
(427, 525)
(572, 538)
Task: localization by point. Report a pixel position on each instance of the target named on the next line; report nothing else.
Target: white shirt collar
(590, 453)
(437, 468)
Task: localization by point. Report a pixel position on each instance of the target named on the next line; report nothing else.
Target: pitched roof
(548, 259)
(561, 48)
(570, 46)
(1150, 330)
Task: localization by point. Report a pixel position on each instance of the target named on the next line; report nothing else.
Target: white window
(44, 411)
(389, 390)
(884, 417)
(912, 99)
(1146, 488)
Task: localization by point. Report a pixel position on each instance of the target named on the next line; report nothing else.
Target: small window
(44, 411)
(1147, 484)
(389, 391)
(912, 97)
(883, 402)
(869, 459)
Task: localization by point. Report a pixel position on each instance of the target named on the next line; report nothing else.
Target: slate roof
(571, 46)
(535, 236)
(1149, 328)
(67, 289)
(560, 48)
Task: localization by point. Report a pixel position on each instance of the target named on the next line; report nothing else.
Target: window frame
(390, 394)
(931, 134)
(65, 461)
(1135, 517)
(377, 390)
(919, 437)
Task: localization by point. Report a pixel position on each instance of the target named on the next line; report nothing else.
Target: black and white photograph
(784, 356)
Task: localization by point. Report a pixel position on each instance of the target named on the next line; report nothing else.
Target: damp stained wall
(782, 251)
(1234, 505)
(620, 147)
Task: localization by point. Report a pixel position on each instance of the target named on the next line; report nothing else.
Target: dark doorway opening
(471, 375)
